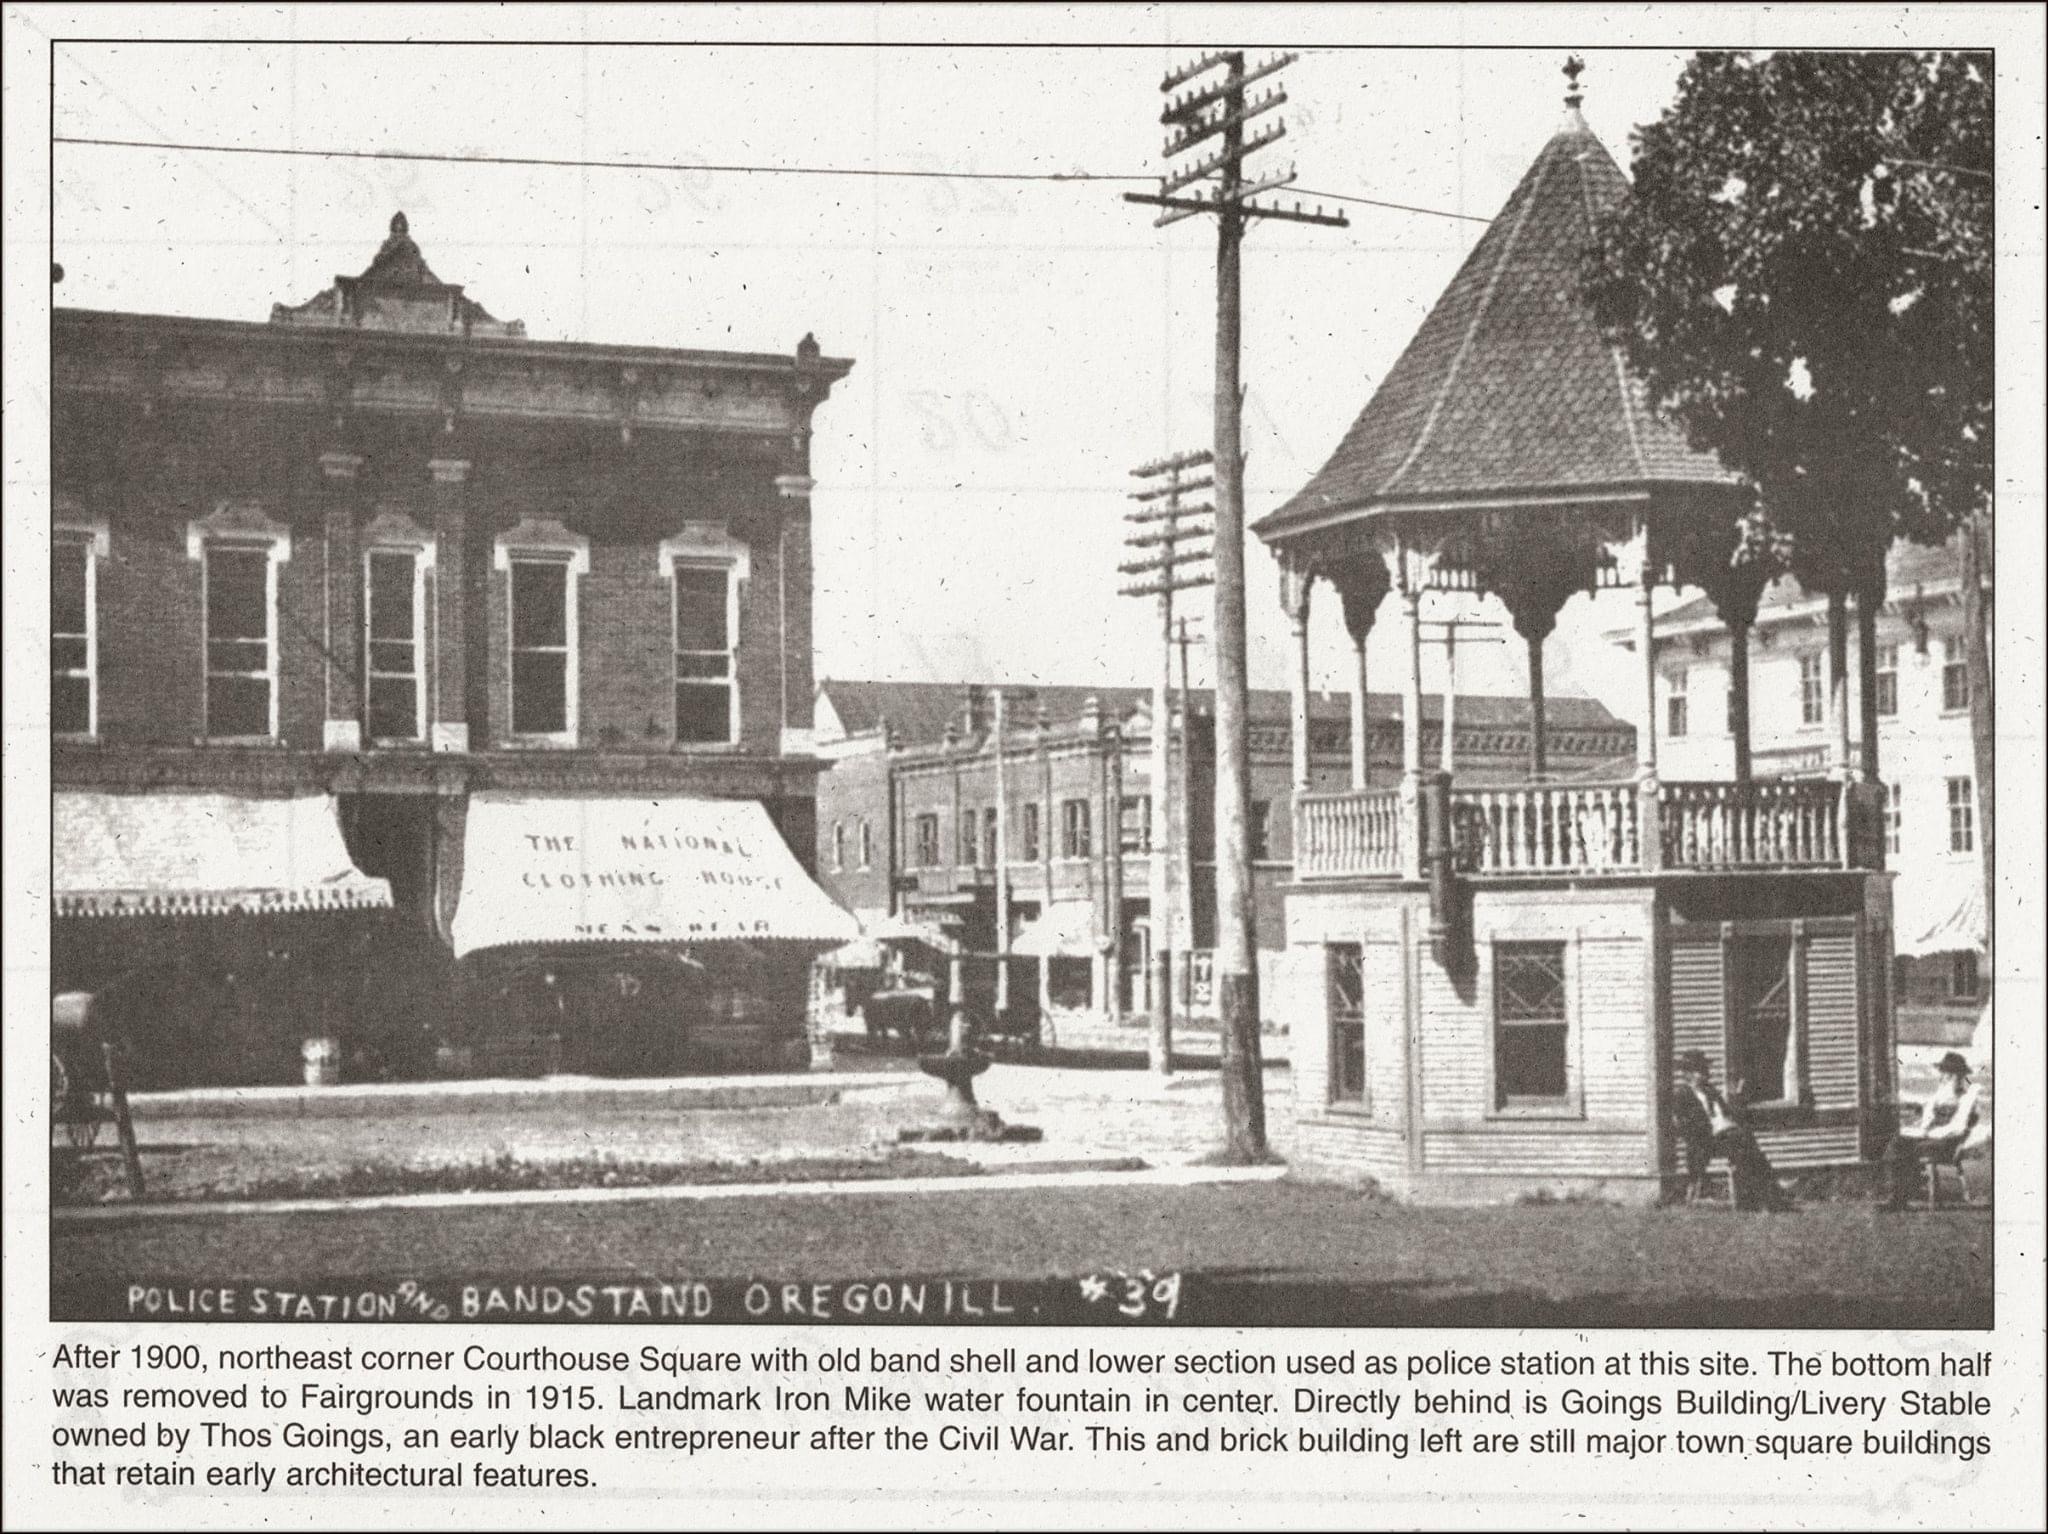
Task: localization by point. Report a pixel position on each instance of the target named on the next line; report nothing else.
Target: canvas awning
(545, 870)
(198, 854)
(1939, 910)
(1065, 930)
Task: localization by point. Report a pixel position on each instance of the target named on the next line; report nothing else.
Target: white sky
(1018, 348)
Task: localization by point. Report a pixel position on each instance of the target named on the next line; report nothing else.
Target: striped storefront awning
(201, 854)
(1939, 910)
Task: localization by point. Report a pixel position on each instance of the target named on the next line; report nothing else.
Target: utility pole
(1216, 183)
(1167, 538)
(1185, 809)
(1453, 631)
(1001, 853)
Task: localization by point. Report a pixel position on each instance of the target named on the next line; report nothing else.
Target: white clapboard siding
(1613, 1049)
(1349, 1147)
(1386, 1030)
(1454, 1042)
(1583, 1151)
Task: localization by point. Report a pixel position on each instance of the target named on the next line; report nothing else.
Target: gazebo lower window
(1532, 1028)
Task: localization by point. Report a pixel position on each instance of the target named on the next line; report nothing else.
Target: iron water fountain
(960, 1117)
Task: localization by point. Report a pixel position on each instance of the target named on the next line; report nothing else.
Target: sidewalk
(284, 1142)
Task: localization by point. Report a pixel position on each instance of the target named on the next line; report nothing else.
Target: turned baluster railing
(1547, 828)
(1784, 823)
(1350, 833)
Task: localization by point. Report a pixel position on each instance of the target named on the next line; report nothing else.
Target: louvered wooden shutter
(1830, 1005)
(1698, 997)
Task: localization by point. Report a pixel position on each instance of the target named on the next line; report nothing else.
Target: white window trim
(1820, 667)
(239, 525)
(708, 546)
(1954, 654)
(543, 540)
(732, 652)
(1573, 1104)
(1968, 805)
(90, 536)
(396, 533)
(1881, 671)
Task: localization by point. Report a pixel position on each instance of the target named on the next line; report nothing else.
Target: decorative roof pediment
(396, 291)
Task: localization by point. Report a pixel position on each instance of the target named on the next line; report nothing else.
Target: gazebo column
(1838, 686)
(1534, 564)
(1649, 822)
(1867, 605)
(1738, 697)
(1297, 581)
(1408, 572)
(1712, 557)
(1361, 585)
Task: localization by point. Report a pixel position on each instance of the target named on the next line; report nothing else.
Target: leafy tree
(1804, 278)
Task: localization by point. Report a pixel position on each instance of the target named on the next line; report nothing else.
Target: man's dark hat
(1953, 1064)
(1695, 1060)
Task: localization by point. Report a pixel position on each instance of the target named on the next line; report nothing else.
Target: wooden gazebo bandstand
(1511, 453)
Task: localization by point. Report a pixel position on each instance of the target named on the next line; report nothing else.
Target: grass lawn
(1268, 1254)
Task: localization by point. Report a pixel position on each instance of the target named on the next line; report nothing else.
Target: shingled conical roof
(1509, 389)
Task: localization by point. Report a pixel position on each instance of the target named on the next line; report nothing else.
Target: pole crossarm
(1200, 458)
(1170, 535)
(1176, 487)
(1168, 559)
(1189, 175)
(1160, 588)
(1187, 106)
(1187, 72)
(1206, 128)
(1169, 514)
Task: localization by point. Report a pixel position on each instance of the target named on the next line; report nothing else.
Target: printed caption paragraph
(277, 1418)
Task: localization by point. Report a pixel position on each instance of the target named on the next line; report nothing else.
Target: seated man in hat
(1946, 1120)
(1710, 1126)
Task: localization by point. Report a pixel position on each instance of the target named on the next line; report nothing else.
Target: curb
(989, 1182)
(387, 1100)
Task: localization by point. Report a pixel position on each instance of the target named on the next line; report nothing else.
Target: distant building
(907, 813)
(388, 556)
(1925, 756)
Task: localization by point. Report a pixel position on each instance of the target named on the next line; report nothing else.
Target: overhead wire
(683, 167)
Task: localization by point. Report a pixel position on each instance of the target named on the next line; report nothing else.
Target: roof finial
(1574, 66)
(398, 224)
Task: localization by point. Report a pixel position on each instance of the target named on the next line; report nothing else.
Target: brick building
(388, 550)
(908, 813)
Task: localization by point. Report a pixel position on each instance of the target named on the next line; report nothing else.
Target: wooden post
(1297, 581)
(1838, 686)
(1001, 853)
(1539, 741)
(1649, 820)
(1361, 726)
(1447, 738)
(124, 1126)
(1411, 719)
(1738, 697)
(1867, 605)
